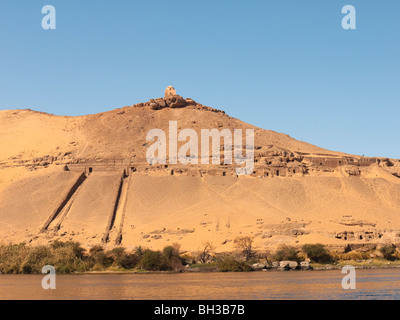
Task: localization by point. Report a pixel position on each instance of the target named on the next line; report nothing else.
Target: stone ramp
(56, 223)
(111, 218)
(116, 232)
(68, 198)
(27, 204)
(93, 209)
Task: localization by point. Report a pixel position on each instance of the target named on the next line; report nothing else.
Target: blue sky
(287, 66)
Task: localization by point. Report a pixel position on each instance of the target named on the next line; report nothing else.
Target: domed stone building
(170, 91)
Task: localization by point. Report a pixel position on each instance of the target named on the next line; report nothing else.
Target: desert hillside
(86, 179)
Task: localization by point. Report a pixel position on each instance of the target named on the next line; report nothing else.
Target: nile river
(371, 284)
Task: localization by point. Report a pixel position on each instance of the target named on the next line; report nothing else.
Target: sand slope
(192, 210)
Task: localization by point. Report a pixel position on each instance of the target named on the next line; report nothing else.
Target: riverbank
(366, 265)
(71, 258)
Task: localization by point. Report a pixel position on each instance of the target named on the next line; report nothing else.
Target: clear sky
(286, 65)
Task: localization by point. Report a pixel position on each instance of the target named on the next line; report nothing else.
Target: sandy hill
(86, 179)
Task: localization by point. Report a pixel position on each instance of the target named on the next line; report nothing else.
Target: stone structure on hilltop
(170, 91)
(172, 100)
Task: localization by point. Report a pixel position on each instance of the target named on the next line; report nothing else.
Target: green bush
(153, 261)
(139, 251)
(66, 257)
(317, 253)
(95, 249)
(286, 253)
(128, 261)
(388, 252)
(230, 264)
(37, 258)
(123, 259)
(12, 257)
(103, 259)
(172, 257)
(168, 252)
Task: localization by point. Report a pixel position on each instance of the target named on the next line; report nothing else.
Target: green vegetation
(230, 264)
(318, 253)
(69, 257)
(351, 255)
(66, 257)
(153, 261)
(205, 253)
(245, 247)
(388, 252)
(286, 253)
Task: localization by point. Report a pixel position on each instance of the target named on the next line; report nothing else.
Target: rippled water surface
(371, 284)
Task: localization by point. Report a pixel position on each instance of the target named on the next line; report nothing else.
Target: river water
(308, 285)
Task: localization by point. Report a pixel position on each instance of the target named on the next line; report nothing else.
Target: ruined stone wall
(264, 167)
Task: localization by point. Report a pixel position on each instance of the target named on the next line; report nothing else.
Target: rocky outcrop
(259, 266)
(175, 101)
(305, 265)
(288, 265)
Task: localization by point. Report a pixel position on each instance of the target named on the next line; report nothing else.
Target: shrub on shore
(153, 261)
(244, 245)
(388, 252)
(12, 258)
(230, 264)
(286, 253)
(168, 259)
(204, 254)
(318, 253)
(172, 256)
(65, 257)
(68, 257)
